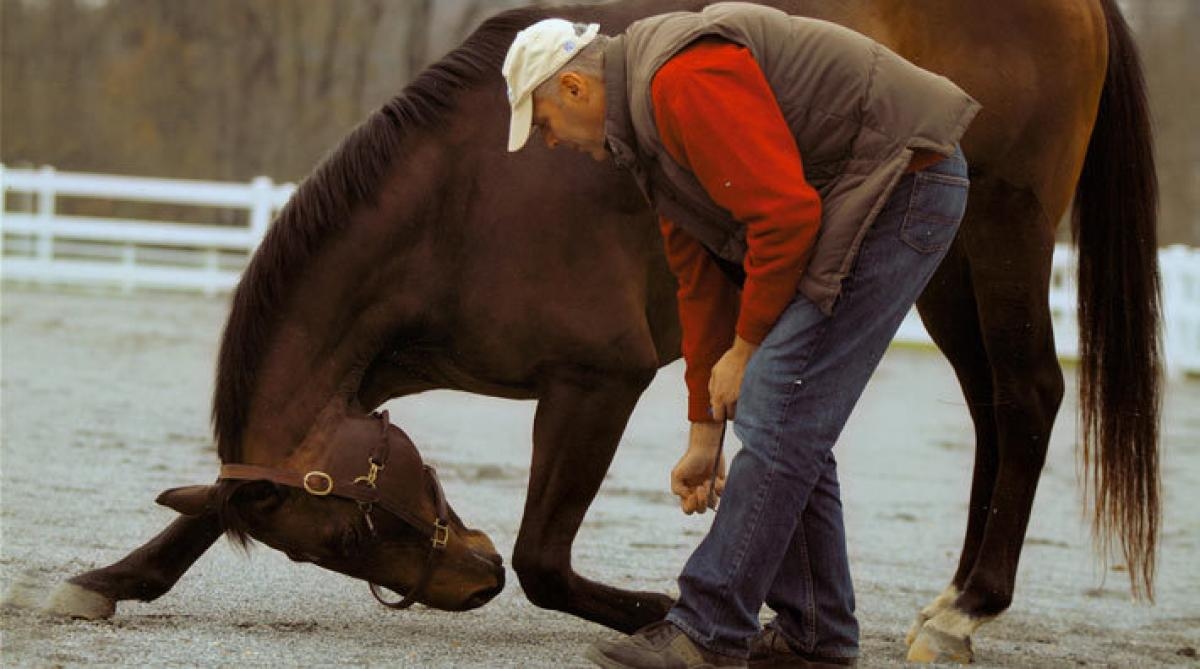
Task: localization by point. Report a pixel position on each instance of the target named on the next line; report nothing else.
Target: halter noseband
(338, 479)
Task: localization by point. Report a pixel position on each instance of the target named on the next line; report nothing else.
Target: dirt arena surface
(106, 400)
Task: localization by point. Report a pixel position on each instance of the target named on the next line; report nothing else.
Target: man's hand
(691, 476)
(725, 384)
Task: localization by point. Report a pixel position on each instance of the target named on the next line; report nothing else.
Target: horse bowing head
(356, 498)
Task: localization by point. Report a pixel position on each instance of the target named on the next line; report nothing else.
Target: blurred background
(219, 90)
(231, 89)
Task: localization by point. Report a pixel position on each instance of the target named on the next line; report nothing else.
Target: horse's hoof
(73, 601)
(933, 645)
(915, 628)
(943, 601)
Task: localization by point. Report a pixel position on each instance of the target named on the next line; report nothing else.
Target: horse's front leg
(579, 421)
(145, 574)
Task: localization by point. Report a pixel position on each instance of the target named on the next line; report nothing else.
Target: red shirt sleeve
(718, 117)
(708, 305)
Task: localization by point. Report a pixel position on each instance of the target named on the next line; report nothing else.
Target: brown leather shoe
(770, 650)
(659, 645)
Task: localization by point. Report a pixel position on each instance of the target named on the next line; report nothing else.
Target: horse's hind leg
(580, 418)
(145, 574)
(1008, 250)
(947, 308)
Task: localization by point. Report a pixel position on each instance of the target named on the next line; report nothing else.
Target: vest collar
(618, 124)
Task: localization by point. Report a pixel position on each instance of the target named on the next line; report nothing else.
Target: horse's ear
(192, 500)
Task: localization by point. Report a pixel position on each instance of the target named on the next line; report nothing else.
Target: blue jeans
(778, 536)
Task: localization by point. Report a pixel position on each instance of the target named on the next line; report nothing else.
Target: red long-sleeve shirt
(718, 117)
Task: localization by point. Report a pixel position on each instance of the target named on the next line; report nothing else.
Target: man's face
(575, 117)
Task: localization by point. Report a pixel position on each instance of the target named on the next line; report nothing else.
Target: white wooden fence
(42, 246)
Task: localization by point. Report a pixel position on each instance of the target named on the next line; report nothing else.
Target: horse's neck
(306, 382)
(357, 294)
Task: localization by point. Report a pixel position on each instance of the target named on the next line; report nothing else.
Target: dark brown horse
(421, 255)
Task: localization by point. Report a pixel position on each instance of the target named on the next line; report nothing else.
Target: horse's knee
(1048, 386)
(545, 581)
(1027, 397)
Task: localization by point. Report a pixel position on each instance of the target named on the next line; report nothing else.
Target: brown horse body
(421, 255)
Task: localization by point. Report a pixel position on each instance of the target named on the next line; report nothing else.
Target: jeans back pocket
(935, 209)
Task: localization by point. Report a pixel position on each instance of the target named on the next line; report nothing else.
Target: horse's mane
(349, 177)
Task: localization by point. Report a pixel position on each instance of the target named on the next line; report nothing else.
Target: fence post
(260, 210)
(212, 267)
(129, 273)
(3, 208)
(45, 218)
(1181, 310)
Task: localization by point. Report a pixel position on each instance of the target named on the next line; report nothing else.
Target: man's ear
(573, 87)
(192, 500)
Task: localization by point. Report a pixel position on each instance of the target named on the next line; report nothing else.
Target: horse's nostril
(496, 560)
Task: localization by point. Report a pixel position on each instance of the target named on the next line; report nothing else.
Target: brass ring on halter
(318, 491)
(441, 534)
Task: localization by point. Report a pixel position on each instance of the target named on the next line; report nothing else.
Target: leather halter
(351, 474)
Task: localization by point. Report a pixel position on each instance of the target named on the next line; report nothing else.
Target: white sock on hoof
(73, 601)
(940, 603)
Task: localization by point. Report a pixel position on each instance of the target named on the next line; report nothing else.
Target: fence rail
(42, 245)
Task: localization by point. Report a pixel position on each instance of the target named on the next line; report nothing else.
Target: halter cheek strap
(436, 546)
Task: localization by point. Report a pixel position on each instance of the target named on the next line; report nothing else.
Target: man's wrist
(705, 436)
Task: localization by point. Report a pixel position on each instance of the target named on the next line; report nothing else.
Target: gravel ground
(105, 403)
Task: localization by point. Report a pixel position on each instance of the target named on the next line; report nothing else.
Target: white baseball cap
(537, 53)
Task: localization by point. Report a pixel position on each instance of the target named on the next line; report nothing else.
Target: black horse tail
(1120, 368)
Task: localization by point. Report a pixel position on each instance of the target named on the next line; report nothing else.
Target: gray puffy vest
(856, 109)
